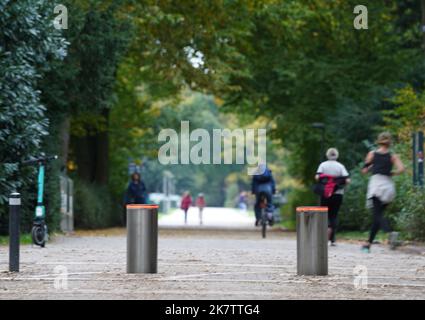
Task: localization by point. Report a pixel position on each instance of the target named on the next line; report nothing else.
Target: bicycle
(265, 220)
(39, 231)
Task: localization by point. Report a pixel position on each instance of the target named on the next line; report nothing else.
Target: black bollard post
(414, 159)
(14, 221)
(418, 158)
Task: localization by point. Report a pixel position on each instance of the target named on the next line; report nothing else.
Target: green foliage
(353, 213)
(79, 93)
(306, 63)
(290, 62)
(93, 207)
(28, 44)
(297, 197)
(409, 114)
(171, 33)
(232, 193)
(202, 112)
(411, 215)
(408, 210)
(96, 52)
(83, 83)
(54, 169)
(24, 239)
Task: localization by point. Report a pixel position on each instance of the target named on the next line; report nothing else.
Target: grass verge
(24, 239)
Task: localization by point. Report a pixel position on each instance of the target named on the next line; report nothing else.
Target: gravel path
(206, 264)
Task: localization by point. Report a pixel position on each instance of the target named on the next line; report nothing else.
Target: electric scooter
(39, 232)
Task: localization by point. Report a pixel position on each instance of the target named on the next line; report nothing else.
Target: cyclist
(263, 184)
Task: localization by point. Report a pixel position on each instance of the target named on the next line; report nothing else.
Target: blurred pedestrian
(242, 201)
(185, 204)
(136, 190)
(200, 203)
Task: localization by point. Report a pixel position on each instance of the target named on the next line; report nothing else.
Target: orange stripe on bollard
(142, 206)
(309, 209)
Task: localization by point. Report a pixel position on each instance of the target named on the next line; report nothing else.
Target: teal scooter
(39, 232)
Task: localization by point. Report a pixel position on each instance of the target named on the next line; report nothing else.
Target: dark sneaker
(333, 244)
(257, 222)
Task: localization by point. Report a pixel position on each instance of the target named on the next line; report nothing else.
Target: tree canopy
(99, 92)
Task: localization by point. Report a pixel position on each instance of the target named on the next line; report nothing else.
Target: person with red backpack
(332, 177)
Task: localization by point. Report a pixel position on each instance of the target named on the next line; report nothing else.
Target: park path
(212, 218)
(206, 264)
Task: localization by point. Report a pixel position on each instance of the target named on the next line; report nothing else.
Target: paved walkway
(207, 264)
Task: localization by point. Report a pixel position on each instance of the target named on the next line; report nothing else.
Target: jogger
(381, 188)
(332, 177)
(333, 203)
(378, 219)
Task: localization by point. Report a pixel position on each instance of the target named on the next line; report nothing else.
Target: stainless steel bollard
(312, 241)
(142, 238)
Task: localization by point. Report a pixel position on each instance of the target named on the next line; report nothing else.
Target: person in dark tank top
(381, 187)
(382, 163)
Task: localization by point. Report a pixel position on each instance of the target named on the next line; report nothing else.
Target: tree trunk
(84, 157)
(92, 155)
(102, 154)
(64, 138)
(423, 24)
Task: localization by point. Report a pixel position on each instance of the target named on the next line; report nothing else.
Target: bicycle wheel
(38, 234)
(263, 222)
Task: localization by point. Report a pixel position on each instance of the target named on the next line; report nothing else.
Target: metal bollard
(142, 238)
(14, 222)
(312, 241)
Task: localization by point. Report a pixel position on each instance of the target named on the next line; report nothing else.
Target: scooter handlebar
(39, 160)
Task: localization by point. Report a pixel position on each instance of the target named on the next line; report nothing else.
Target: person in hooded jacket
(263, 184)
(136, 190)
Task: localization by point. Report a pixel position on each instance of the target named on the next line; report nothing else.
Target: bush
(94, 207)
(296, 198)
(353, 214)
(232, 192)
(28, 46)
(410, 208)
